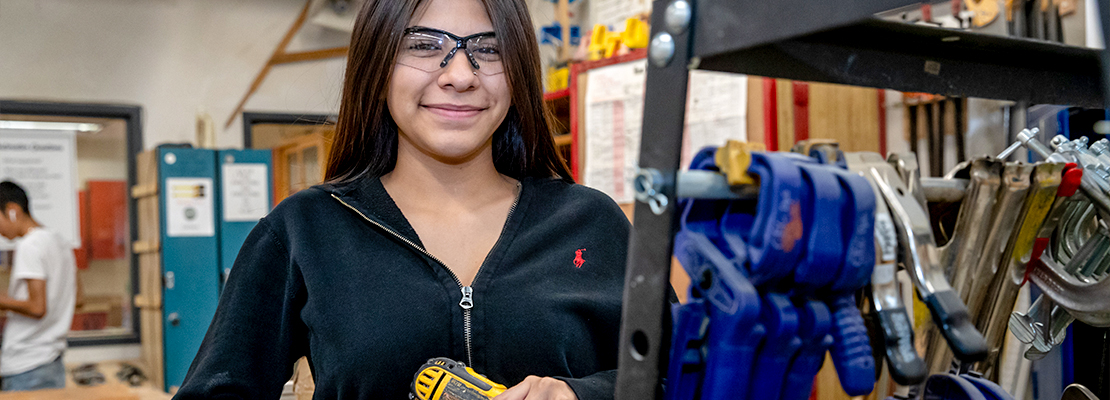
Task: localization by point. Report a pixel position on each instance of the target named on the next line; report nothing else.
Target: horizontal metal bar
(713, 185)
(941, 190)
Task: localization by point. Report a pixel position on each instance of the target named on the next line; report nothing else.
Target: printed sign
(44, 163)
(189, 207)
(245, 191)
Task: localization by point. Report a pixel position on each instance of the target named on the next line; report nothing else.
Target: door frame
(132, 115)
(250, 118)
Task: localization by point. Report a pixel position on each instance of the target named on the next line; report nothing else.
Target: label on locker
(189, 207)
(245, 192)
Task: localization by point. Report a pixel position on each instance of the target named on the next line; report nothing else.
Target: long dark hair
(366, 137)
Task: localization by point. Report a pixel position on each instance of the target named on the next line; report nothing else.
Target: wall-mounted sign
(189, 207)
(44, 163)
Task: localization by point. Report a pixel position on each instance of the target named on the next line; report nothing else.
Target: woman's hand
(537, 388)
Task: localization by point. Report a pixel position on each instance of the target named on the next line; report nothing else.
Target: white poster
(44, 163)
(245, 191)
(613, 13)
(716, 111)
(614, 113)
(189, 207)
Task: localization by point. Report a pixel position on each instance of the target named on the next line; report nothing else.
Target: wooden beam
(323, 54)
(562, 15)
(266, 68)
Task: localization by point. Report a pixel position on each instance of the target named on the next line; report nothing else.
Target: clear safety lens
(430, 51)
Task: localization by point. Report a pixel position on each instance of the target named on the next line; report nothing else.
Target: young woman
(448, 227)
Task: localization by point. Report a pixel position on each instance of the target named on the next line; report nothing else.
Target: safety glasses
(429, 50)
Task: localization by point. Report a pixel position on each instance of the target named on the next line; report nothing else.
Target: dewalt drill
(446, 379)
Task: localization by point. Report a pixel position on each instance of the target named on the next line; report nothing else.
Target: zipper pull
(467, 301)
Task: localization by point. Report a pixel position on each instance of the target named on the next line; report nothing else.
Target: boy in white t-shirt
(41, 298)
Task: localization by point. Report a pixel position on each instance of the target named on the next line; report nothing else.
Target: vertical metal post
(958, 106)
(1096, 338)
(645, 331)
(911, 110)
(1104, 16)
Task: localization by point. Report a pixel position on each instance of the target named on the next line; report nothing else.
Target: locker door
(190, 254)
(245, 191)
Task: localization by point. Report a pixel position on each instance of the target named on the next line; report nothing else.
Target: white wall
(172, 57)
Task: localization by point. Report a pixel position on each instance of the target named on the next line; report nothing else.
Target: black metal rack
(833, 41)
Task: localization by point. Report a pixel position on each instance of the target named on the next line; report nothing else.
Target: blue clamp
(772, 236)
(734, 305)
(989, 389)
(851, 351)
(780, 319)
(851, 354)
(814, 326)
(858, 217)
(820, 265)
(950, 387)
(688, 351)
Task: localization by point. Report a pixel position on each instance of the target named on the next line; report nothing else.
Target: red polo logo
(578, 261)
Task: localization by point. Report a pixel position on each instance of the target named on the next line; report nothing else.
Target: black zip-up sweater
(337, 274)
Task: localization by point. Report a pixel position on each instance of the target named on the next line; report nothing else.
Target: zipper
(467, 301)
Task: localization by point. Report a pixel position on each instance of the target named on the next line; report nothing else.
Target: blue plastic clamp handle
(704, 255)
(824, 250)
(858, 229)
(732, 345)
(989, 389)
(780, 319)
(773, 235)
(734, 333)
(851, 351)
(814, 326)
(950, 387)
(687, 363)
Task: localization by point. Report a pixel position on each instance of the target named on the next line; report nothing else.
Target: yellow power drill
(446, 379)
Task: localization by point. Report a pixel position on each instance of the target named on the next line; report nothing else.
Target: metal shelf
(836, 41)
(917, 58)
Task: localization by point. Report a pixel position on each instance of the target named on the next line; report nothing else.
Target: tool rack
(834, 41)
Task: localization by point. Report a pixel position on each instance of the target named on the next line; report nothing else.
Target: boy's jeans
(51, 375)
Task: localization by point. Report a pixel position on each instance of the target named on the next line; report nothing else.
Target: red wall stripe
(770, 115)
(801, 111)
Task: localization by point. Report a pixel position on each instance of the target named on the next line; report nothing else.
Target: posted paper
(245, 191)
(189, 207)
(44, 163)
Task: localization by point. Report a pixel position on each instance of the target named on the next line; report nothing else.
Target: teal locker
(190, 253)
(245, 196)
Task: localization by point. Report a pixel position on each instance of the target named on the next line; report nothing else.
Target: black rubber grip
(950, 315)
(905, 366)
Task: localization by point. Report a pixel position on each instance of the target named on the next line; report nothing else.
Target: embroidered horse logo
(578, 261)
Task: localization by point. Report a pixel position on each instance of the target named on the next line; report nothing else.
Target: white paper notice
(614, 113)
(44, 163)
(189, 207)
(613, 13)
(245, 192)
(716, 111)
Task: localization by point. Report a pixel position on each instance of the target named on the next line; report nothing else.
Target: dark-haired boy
(41, 298)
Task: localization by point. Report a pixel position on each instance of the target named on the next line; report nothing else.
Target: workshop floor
(112, 388)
